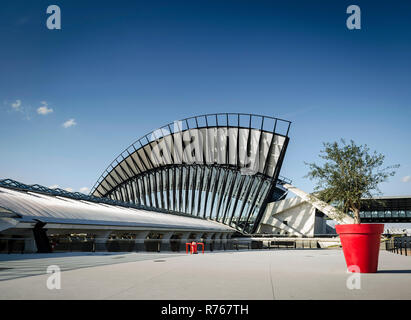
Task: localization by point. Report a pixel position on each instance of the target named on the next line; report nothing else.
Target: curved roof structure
(30, 206)
(223, 167)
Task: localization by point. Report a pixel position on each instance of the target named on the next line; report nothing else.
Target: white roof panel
(65, 210)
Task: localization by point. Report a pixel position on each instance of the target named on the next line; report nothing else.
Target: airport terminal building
(205, 178)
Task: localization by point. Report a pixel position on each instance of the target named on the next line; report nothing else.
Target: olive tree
(349, 173)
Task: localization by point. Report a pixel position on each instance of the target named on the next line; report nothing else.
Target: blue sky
(120, 69)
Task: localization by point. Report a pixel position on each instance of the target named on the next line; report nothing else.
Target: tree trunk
(357, 219)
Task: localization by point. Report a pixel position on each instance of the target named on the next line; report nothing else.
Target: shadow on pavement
(394, 271)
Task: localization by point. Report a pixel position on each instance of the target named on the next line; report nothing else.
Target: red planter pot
(361, 245)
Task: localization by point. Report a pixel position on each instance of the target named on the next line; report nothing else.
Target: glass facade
(220, 194)
(386, 215)
(386, 209)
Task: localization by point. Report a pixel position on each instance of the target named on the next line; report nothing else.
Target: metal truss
(223, 167)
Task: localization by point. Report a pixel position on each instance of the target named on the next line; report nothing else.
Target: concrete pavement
(255, 274)
(23, 265)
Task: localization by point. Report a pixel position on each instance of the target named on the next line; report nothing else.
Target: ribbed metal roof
(224, 167)
(30, 205)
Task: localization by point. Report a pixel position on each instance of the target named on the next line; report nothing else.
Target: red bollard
(202, 246)
(193, 247)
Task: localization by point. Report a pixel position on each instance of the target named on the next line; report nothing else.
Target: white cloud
(69, 123)
(43, 110)
(85, 190)
(406, 179)
(69, 189)
(54, 186)
(16, 105)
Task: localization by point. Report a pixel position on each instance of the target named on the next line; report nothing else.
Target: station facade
(206, 178)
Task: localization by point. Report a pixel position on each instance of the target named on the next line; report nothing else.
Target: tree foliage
(348, 174)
